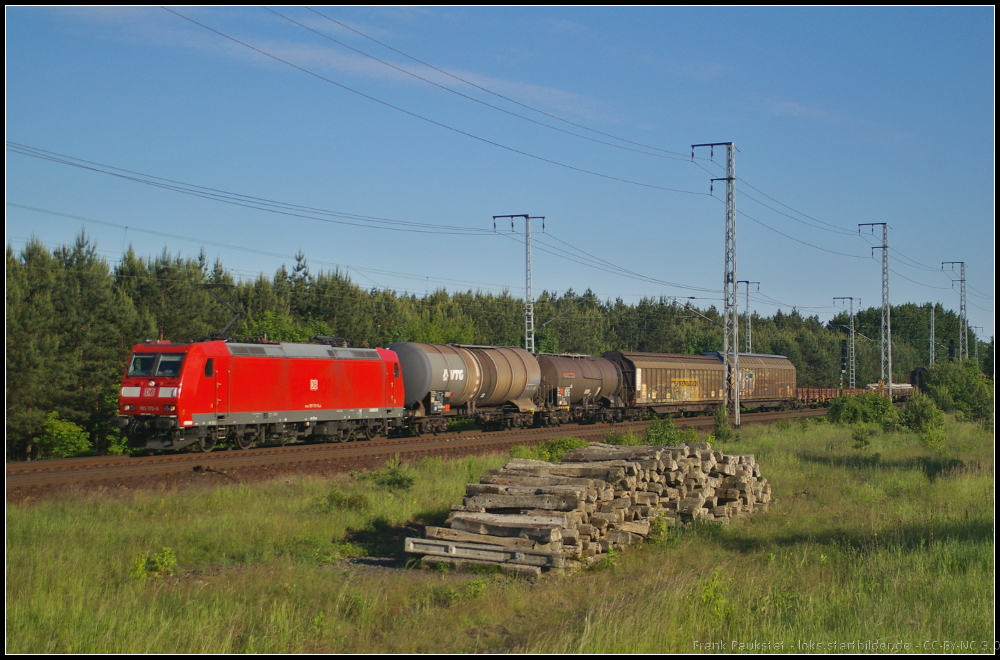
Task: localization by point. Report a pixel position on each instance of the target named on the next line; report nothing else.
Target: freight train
(203, 394)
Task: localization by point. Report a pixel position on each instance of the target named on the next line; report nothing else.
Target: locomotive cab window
(142, 364)
(165, 365)
(210, 366)
(169, 365)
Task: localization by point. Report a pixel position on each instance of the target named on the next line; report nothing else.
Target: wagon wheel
(207, 443)
(243, 440)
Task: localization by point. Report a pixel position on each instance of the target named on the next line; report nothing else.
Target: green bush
(862, 435)
(395, 475)
(921, 415)
(722, 431)
(338, 500)
(61, 438)
(959, 387)
(663, 432)
(550, 450)
(157, 565)
(866, 408)
(628, 438)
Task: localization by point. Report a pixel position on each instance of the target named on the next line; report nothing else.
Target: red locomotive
(178, 395)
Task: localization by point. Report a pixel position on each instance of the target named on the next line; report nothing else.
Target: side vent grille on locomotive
(236, 349)
(357, 353)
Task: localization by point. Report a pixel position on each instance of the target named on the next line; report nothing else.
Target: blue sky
(841, 116)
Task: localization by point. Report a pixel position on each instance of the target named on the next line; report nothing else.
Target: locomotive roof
(302, 351)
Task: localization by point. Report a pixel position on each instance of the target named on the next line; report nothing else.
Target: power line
(835, 227)
(251, 250)
(843, 254)
(246, 201)
(679, 157)
(778, 211)
(496, 94)
(609, 268)
(625, 270)
(929, 286)
(429, 120)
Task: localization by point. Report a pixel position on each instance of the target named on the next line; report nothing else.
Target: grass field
(890, 544)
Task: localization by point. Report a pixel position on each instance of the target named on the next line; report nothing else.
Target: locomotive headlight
(128, 406)
(152, 383)
(169, 408)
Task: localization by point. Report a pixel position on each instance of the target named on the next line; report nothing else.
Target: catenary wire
(240, 199)
(679, 157)
(496, 94)
(433, 121)
(254, 250)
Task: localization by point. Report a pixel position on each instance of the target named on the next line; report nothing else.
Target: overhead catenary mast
(749, 343)
(851, 364)
(930, 350)
(963, 320)
(730, 317)
(529, 299)
(975, 341)
(886, 310)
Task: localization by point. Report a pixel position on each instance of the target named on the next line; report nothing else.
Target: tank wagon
(204, 393)
(579, 388)
(496, 386)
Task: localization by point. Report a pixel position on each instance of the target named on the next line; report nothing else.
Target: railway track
(37, 478)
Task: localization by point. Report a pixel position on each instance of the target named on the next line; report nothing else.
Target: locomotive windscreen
(164, 365)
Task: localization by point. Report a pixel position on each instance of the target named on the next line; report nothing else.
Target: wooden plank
(482, 552)
(470, 565)
(555, 502)
(516, 478)
(640, 527)
(578, 492)
(448, 534)
(606, 470)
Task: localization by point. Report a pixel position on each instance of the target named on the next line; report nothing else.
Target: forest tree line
(72, 319)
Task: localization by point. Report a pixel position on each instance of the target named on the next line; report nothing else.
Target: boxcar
(671, 383)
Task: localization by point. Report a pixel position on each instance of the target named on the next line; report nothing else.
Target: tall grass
(890, 542)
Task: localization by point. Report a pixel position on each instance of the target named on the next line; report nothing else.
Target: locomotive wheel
(369, 433)
(243, 440)
(207, 443)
